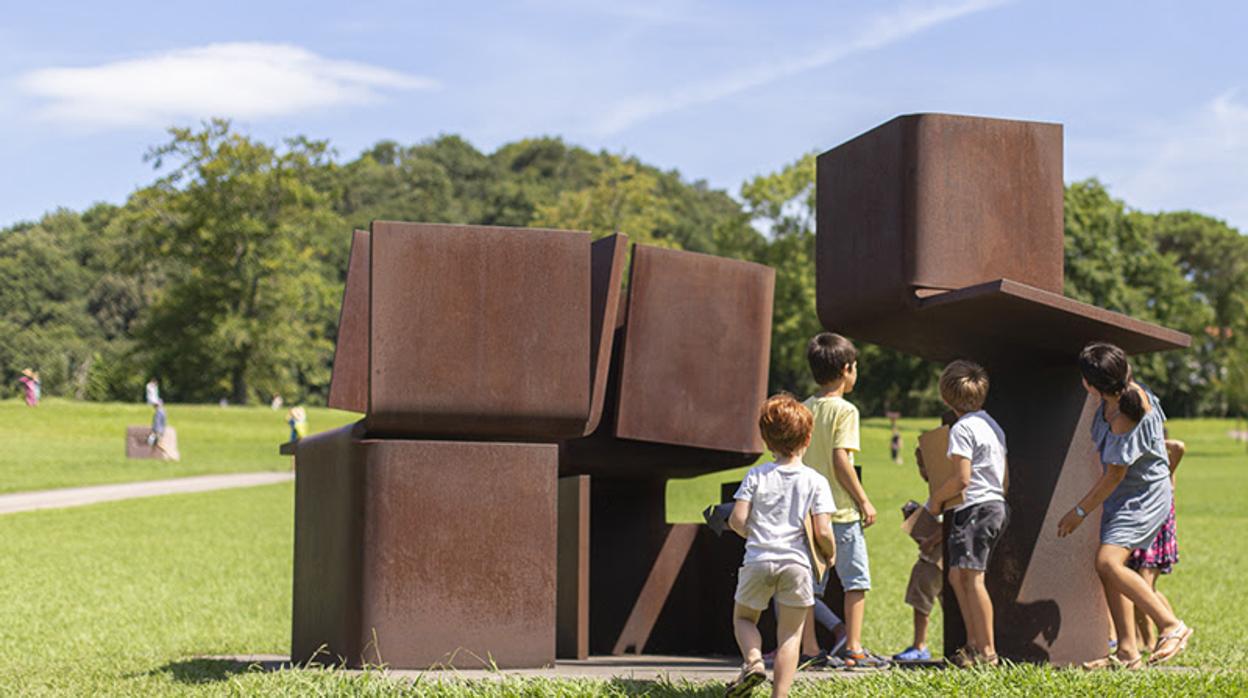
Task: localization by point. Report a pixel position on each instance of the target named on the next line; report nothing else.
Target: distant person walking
(34, 390)
(297, 418)
(153, 392)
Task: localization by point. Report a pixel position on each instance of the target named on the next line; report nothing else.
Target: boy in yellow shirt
(833, 363)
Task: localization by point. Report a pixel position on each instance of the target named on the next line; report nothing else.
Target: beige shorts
(924, 587)
(788, 582)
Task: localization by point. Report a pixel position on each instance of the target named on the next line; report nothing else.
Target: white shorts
(788, 582)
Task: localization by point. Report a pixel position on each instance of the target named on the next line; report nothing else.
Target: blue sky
(1154, 96)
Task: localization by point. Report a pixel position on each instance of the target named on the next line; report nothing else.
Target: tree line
(223, 276)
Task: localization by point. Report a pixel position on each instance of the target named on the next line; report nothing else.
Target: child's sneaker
(913, 654)
(863, 659)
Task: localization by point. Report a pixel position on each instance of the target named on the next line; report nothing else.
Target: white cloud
(882, 31)
(1194, 161)
(239, 80)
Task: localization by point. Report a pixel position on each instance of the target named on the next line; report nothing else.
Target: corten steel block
(348, 385)
(416, 553)
(478, 332)
(936, 201)
(572, 636)
(695, 350)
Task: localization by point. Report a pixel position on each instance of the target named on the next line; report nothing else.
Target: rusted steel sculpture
(487, 363)
(425, 534)
(688, 373)
(942, 236)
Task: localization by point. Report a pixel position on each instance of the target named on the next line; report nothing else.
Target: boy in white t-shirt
(977, 448)
(771, 510)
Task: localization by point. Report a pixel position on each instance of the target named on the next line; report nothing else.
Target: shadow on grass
(203, 670)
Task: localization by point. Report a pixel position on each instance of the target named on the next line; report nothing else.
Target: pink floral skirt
(1162, 553)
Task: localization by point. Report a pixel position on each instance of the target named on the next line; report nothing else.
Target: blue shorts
(852, 565)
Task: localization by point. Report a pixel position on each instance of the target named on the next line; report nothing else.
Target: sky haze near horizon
(1153, 96)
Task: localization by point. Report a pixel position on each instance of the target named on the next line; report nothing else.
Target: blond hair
(964, 386)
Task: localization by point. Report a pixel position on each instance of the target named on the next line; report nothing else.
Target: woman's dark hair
(1106, 368)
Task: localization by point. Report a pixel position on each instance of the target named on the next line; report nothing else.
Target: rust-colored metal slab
(655, 591)
(348, 385)
(695, 350)
(329, 477)
(608, 257)
(479, 332)
(421, 553)
(572, 636)
(936, 201)
(1004, 321)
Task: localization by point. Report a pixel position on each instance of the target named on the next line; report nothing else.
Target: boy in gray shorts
(771, 509)
(977, 449)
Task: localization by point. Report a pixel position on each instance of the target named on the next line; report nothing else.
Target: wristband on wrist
(1079, 510)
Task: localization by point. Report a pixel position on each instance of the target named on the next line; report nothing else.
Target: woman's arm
(1096, 496)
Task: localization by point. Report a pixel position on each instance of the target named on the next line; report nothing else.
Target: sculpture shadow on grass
(207, 670)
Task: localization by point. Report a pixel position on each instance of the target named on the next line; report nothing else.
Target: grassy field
(62, 443)
(122, 598)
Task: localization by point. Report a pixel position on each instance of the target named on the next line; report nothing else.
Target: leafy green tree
(625, 197)
(248, 246)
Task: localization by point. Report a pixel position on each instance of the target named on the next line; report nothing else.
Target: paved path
(80, 496)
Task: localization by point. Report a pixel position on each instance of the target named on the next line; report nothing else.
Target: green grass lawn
(121, 598)
(62, 443)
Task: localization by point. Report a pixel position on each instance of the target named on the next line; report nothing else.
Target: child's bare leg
(920, 630)
(855, 607)
(745, 629)
(970, 609)
(977, 593)
(789, 623)
(810, 644)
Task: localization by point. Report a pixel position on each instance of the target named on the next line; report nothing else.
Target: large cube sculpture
(941, 236)
(425, 535)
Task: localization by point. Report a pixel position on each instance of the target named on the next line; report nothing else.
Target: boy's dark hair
(785, 424)
(1106, 368)
(829, 354)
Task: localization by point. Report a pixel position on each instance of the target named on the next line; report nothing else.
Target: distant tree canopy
(222, 278)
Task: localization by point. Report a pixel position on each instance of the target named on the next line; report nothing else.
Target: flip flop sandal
(990, 660)
(751, 676)
(962, 659)
(1179, 635)
(1113, 662)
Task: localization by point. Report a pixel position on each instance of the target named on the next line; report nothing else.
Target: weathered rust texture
(654, 593)
(572, 635)
(348, 385)
(478, 332)
(696, 343)
(419, 553)
(608, 256)
(941, 236)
